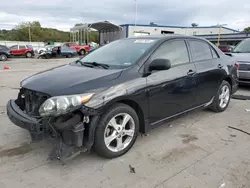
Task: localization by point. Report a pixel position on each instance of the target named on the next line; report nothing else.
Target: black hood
(69, 79)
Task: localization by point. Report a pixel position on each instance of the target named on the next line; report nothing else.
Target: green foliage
(247, 30)
(39, 34)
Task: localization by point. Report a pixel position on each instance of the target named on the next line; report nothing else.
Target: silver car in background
(241, 53)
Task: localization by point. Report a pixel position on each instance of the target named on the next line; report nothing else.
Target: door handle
(191, 73)
(220, 66)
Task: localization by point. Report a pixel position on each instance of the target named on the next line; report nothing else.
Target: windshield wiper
(105, 66)
(83, 64)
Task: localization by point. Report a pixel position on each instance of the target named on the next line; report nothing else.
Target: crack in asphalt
(9, 87)
(192, 164)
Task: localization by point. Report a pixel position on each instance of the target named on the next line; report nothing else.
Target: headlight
(55, 106)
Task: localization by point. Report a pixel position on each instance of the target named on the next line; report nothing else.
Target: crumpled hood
(69, 79)
(241, 56)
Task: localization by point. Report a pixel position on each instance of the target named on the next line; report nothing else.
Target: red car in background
(226, 48)
(22, 50)
(81, 49)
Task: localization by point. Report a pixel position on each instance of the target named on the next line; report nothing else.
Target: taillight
(237, 65)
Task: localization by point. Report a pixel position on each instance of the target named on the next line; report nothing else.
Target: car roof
(165, 37)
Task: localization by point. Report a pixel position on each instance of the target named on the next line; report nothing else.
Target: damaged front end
(63, 118)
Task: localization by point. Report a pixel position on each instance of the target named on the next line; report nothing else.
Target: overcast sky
(63, 14)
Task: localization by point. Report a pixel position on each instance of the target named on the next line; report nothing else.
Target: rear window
(29, 46)
(3, 47)
(243, 47)
(200, 50)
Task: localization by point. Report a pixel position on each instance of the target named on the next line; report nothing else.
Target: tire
(100, 143)
(28, 55)
(69, 56)
(3, 57)
(82, 52)
(41, 57)
(216, 106)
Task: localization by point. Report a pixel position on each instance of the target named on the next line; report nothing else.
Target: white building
(132, 30)
(110, 32)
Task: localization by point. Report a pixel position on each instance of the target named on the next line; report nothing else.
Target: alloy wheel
(224, 96)
(3, 57)
(119, 132)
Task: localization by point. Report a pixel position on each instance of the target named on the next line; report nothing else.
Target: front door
(171, 91)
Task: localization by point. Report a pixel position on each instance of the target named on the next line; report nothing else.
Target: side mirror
(160, 64)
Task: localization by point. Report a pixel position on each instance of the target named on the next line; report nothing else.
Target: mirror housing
(160, 64)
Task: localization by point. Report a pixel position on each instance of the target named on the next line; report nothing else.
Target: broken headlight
(55, 106)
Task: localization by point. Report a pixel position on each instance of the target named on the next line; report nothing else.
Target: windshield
(120, 53)
(243, 47)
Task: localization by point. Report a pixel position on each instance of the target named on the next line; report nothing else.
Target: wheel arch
(133, 104)
(229, 80)
(122, 100)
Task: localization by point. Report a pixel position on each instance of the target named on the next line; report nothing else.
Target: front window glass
(120, 53)
(176, 51)
(243, 47)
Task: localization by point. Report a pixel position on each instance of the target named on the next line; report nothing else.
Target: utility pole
(136, 12)
(29, 33)
(219, 25)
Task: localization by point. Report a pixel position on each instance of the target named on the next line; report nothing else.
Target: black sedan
(4, 53)
(127, 86)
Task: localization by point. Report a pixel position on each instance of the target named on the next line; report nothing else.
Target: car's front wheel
(116, 131)
(3, 57)
(222, 98)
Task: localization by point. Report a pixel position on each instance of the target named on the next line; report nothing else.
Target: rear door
(22, 50)
(209, 70)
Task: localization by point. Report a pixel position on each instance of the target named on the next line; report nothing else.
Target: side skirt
(164, 120)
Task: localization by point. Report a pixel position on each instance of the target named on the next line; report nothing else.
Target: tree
(194, 25)
(247, 30)
(39, 34)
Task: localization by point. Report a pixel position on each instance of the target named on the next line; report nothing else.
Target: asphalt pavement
(197, 150)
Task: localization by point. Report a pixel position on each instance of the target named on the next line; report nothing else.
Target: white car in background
(43, 49)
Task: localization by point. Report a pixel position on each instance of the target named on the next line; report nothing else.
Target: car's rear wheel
(116, 131)
(69, 55)
(222, 98)
(28, 55)
(3, 57)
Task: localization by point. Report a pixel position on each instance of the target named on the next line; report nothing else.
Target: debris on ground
(142, 134)
(132, 169)
(6, 67)
(247, 110)
(232, 135)
(222, 185)
(241, 97)
(239, 130)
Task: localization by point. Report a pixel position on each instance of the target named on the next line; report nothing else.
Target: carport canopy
(104, 26)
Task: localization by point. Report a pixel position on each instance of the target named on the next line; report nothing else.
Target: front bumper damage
(69, 131)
